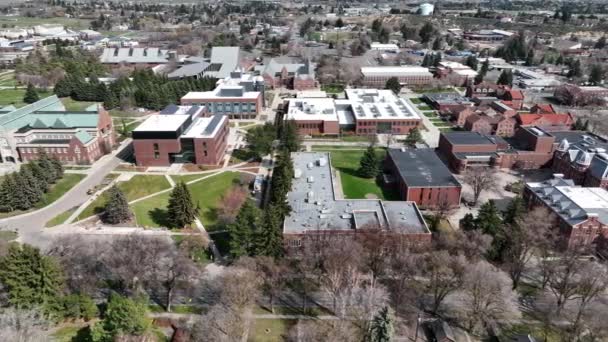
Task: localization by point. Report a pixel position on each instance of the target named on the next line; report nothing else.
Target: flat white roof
(396, 71)
(214, 94)
(161, 122)
(384, 46)
(466, 72)
(309, 94)
(301, 109)
(453, 65)
(379, 104)
(586, 198)
(199, 129)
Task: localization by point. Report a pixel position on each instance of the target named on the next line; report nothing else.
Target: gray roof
(213, 123)
(468, 138)
(448, 98)
(134, 55)
(189, 70)
(274, 67)
(422, 168)
(314, 206)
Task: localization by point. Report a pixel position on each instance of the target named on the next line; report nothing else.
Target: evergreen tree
(437, 44)
(243, 230)
(78, 306)
(123, 316)
(505, 78)
(269, 238)
(575, 69)
(31, 95)
(468, 222)
(413, 137)
(437, 57)
(530, 58)
(596, 74)
(35, 187)
(181, 210)
(488, 218)
(393, 84)
(30, 278)
(24, 198)
(427, 32)
(39, 175)
(427, 61)
(52, 172)
(369, 166)
(290, 137)
(116, 209)
(559, 60)
(515, 210)
(57, 167)
(481, 74)
(382, 329)
(8, 192)
(471, 62)
(601, 43)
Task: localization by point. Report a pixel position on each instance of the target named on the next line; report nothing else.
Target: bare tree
(341, 273)
(315, 330)
(525, 235)
(472, 244)
(480, 179)
(23, 325)
(272, 273)
(564, 278)
(486, 298)
(445, 275)
(239, 288)
(231, 203)
(176, 271)
(592, 283)
(220, 323)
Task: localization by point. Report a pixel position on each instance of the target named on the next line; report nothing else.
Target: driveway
(30, 226)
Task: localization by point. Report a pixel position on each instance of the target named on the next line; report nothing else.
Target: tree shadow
(159, 216)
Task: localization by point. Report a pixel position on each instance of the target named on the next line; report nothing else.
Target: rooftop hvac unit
(297, 173)
(310, 166)
(322, 161)
(310, 179)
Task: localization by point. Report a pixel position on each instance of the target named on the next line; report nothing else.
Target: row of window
(308, 125)
(393, 123)
(229, 107)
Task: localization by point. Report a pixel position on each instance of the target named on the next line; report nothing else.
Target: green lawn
(416, 100)
(61, 218)
(15, 96)
(71, 333)
(356, 138)
(152, 211)
(189, 178)
(424, 107)
(60, 188)
(74, 105)
(31, 21)
(270, 330)
(333, 88)
(136, 187)
(6, 235)
(354, 186)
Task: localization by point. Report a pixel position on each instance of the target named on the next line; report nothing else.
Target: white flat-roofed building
(161, 122)
(376, 77)
(364, 111)
(375, 46)
(530, 79)
(312, 94)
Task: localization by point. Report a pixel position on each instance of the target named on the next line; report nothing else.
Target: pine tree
(116, 209)
(243, 229)
(393, 84)
(471, 62)
(505, 78)
(31, 186)
(31, 95)
(39, 175)
(181, 210)
(269, 238)
(30, 278)
(468, 222)
(369, 166)
(57, 167)
(291, 138)
(123, 317)
(515, 210)
(382, 329)
(21, 199)
(481, 74)
(8, 190)
(413, 137)
(488, 218)
(45, 163)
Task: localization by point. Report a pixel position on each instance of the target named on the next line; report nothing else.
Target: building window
(156, 151)
(295, 243)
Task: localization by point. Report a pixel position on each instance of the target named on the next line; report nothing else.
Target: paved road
(30, 226)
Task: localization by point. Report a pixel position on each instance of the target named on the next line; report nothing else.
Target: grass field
(7, 79)
(416, 100)
(15, 96)
(189, 178)
(76, 105)
(333, 88)
(60, 188)
(30, 21)
(71, 333)
(136, 187)
(424, 107)
(152, 212)
(270, 330)
(354, 186)
(61, 218)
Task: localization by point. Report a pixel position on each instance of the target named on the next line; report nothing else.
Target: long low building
(74, 137)
(409, 76)
(181, 134)
(363, 112)
(317, 213)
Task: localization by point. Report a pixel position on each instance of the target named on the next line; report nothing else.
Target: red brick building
(297, 76)
(181, 134)
(580, 214)
(74, 137)
(582, 157)
(423, 178)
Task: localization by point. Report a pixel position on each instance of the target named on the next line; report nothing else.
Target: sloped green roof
(38, 124)
(83, 136)
(59, 124)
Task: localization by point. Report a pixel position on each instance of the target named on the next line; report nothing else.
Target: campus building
(297, 76)
(137, 56)
(581, 214)
(74, 137)
(238, 96)
(223, 61)
(181, 134)
(363, 112)
(409, 76)
(582, 157)
(423, 178)
(317, 212)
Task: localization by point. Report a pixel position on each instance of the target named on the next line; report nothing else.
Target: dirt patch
(196, 168)
(371, 196)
